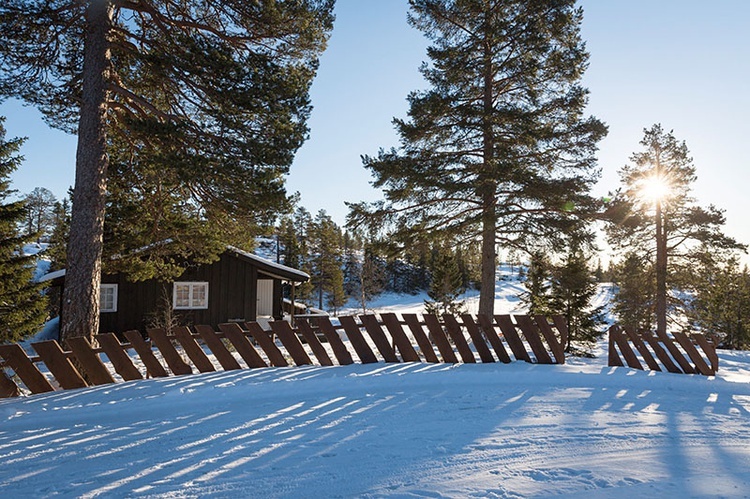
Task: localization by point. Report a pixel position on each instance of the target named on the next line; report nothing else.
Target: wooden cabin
(239, 287)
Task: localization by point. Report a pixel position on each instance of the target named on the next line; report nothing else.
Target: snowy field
(389, 430)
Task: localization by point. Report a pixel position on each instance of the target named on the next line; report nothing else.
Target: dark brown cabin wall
(278, 300)
(232, 295)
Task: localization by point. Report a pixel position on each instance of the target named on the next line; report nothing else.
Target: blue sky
(682, 63)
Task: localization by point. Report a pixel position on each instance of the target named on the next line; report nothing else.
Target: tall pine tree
(655, 215)
(225, 83)
(498, 149)
(22, 303)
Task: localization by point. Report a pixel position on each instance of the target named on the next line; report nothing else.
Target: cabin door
(265, 298)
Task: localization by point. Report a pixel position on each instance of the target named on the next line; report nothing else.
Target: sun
(655, 188)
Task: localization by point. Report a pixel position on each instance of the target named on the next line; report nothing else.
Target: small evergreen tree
(22, 303)
(446, 284)
(538, 284)
(325, 246)
(573, 287)
(721, 303)
(634, 298)
(371, 276)
(58, 241)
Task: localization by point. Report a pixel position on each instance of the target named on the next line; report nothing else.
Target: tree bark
(488, 184)
(83, 272)
(661, 272)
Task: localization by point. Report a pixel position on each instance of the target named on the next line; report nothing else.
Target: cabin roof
(266, 267)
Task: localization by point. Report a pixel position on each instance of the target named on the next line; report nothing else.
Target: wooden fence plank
(695, 356)
(488, 329)
(531, 333)
(425, 346)
(96, 372)
(408, 353)
(116, 354)
(217, 347)
(661, 354)
(556, 345)
(479, 341)
(8, 388)
(457, 335)
(59, 365)
(264, 339)
(171, 356)
(143, 349)
(622, 344)
(709, 349)
(440, 339)
(17, 359)
(290, 341)
(236, 336)
(308, 333)
(676, 354)
(642, 349)
(340, 351)
(193, 350)
(366, 355)
(511, 336)
(613, 357)
(378, 337)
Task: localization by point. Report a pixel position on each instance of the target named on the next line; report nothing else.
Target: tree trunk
(487, 185)
(83, 273)
(661, 273)
(489, 262)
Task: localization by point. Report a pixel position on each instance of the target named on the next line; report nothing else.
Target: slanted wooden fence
(367, 338)
(681, 353)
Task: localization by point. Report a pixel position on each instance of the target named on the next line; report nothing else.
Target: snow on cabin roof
(52, 275)
(272, 268)
(267, 267)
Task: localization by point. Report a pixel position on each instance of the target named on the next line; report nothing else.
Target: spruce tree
(573, 288)
(326, 255)
(22, 303)
(446, 283)
(498, 148)
(225, 82)
(721, 300)
(538, 284)
(655, 215)
(633, 303)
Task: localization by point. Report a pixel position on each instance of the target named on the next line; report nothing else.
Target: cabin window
(190, 295)
(108, 298)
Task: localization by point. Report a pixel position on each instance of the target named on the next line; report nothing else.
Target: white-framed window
(190, 295)
(108, 298)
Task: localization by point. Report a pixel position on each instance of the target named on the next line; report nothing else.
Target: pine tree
(655, 215)
(573, 288)
(498, 149)
(225, 80)
(22, 303)
(40, 216)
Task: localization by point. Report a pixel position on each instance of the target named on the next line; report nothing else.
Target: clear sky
(682, 63)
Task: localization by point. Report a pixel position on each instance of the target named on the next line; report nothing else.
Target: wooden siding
(232, 295)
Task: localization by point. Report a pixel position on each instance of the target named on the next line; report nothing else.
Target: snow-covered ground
(398, 430)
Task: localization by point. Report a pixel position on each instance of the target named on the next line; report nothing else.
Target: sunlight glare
(655, 188)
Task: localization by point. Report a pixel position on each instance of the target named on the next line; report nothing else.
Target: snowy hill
(389, 430)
